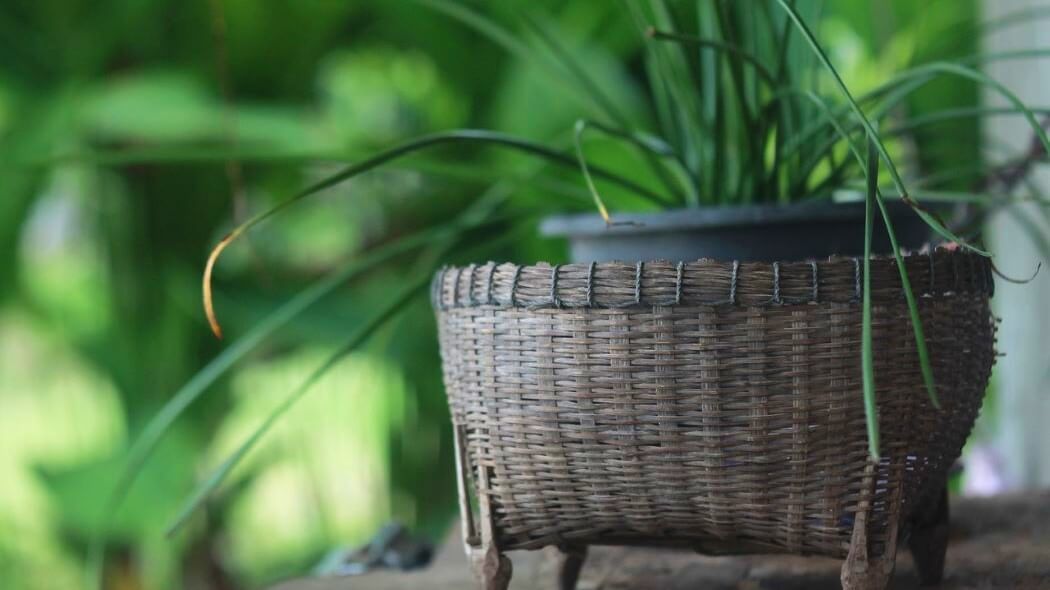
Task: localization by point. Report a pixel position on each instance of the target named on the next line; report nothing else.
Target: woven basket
(714, 405)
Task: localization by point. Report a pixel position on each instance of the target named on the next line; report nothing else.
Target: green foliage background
(100, 259)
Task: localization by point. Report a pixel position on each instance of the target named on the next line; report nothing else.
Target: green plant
(742, 112)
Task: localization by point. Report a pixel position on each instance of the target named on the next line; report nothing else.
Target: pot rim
(721, 217)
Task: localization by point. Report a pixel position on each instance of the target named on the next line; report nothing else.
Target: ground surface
(1000, 543)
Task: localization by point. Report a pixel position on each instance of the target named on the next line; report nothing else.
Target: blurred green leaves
(137, 80)
(376, 96)
(153, 107)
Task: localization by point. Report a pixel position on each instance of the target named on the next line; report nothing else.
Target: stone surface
(996, 543)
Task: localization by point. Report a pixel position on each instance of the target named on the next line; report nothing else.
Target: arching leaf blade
(204, 491)
(476, 136)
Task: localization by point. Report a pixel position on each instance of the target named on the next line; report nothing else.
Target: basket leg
(568, 563)
(929, 540)
(862, 571)
(492, 569)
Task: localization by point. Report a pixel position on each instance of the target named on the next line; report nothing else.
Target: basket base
(863, 572)
(927, 541)
(492, 569)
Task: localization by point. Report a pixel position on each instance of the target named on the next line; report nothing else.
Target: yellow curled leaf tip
(209, 305)
(605, 214)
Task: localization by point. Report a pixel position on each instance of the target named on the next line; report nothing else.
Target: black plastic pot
(765, 233)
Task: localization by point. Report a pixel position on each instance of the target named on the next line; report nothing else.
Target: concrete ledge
(996, 543)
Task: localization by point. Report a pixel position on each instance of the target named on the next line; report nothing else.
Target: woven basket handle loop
(489, 300)
(554, 287)
(776, 283)
(590, 284)
(857, 291)
(816, 281)
(638, 268)
(732, 282)
(470, 284)
(679, 272)
(514, 285)
(455, 286)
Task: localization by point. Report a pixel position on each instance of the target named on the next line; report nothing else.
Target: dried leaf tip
(1016, 281)
(209, 305)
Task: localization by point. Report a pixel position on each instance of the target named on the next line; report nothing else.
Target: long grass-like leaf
(871, 176)
(825, 110)
(715, 45)
(1023, 15)
(145, 444)
(960, 197)
(449, 170)
(867, 357)
(976, 171)
(581, 126)
(360, 335)
(647, 144)
(922, 350)
(487, 27)
(751, 135)
(904, 84)
(753, 131)
(712, 100)
(578, 72)
(890, 97)
(594, 90)
(930, 220)
(947, 115)
(937, 226)
(671, 75)
(825, 61)
(566, 74)
(997, 56)
(496, 33)
(790, 113)
(898, 89)
(478, 213)
(427, 141)
(923, 73)
(141, 450)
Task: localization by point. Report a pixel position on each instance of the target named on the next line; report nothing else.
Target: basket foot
(568, 563)
(867, 574)
(861, 570)
(492, 569)
(929, 540)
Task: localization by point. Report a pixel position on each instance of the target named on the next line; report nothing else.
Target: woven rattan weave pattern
(712, 404)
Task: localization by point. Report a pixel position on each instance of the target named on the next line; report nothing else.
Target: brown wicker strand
(601, 285)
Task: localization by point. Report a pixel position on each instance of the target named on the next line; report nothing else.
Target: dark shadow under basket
(715, 405)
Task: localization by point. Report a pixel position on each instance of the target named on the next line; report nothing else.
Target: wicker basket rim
(707, 282)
